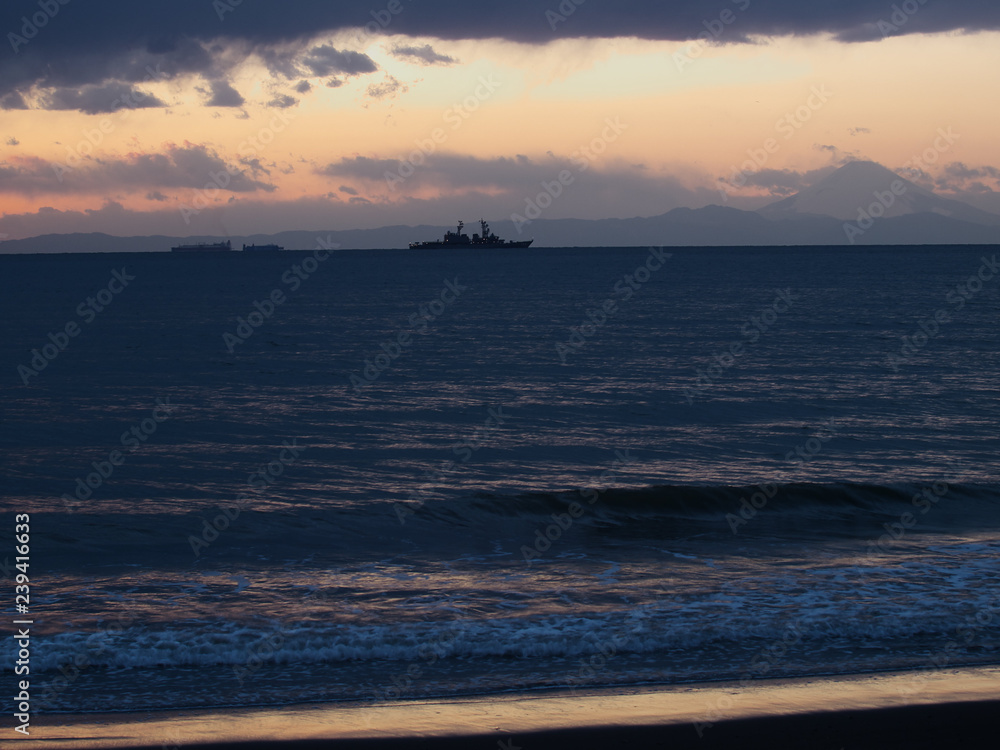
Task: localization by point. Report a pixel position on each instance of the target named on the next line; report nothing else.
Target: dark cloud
(189, 166)
(283, 101)
(155, 195)
(224, 95)
(839, 157)
(979, 187)
(917, 175)
(13, 100)
(778, 182)
(75, 66)
(347, 189)
(358, 166)
(390, 87)
(425, 55)
(594, 194)
(325, 60)
(961, 171)
(13, 142)
(300, 60)
(282, 62)
(116, 39)
(785, 181)
(111, 96)
(859, 131)
(255, 166)
(611, 190)
(961, 180)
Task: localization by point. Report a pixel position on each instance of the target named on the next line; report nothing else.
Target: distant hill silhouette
(814, 216)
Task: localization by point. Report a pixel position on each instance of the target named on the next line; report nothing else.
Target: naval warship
(456, 239)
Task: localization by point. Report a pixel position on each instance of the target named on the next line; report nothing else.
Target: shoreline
(848, 710)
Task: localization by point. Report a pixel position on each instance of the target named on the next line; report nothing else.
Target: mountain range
(861, 203)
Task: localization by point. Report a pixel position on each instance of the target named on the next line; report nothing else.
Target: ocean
(332, 475)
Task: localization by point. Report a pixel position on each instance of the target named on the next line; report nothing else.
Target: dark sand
(957, 708)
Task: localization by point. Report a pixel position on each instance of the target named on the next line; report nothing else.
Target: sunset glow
(312, 129)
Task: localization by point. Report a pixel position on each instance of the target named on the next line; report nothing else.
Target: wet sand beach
(955, 707)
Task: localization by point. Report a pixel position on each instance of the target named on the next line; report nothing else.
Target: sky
(218, 117)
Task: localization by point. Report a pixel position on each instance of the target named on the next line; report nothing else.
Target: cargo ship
(262, 248)
(457, 239)
(203, 247)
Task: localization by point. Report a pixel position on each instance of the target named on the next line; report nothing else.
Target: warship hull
(472, 245)
(484, 241)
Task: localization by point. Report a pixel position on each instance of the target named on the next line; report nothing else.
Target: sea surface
(383, 475)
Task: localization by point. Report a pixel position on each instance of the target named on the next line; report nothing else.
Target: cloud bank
(57, 44)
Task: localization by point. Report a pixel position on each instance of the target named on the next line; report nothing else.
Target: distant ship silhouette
(457, 239)
(204, 247)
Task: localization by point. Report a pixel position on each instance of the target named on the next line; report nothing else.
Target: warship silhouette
(456, 239)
